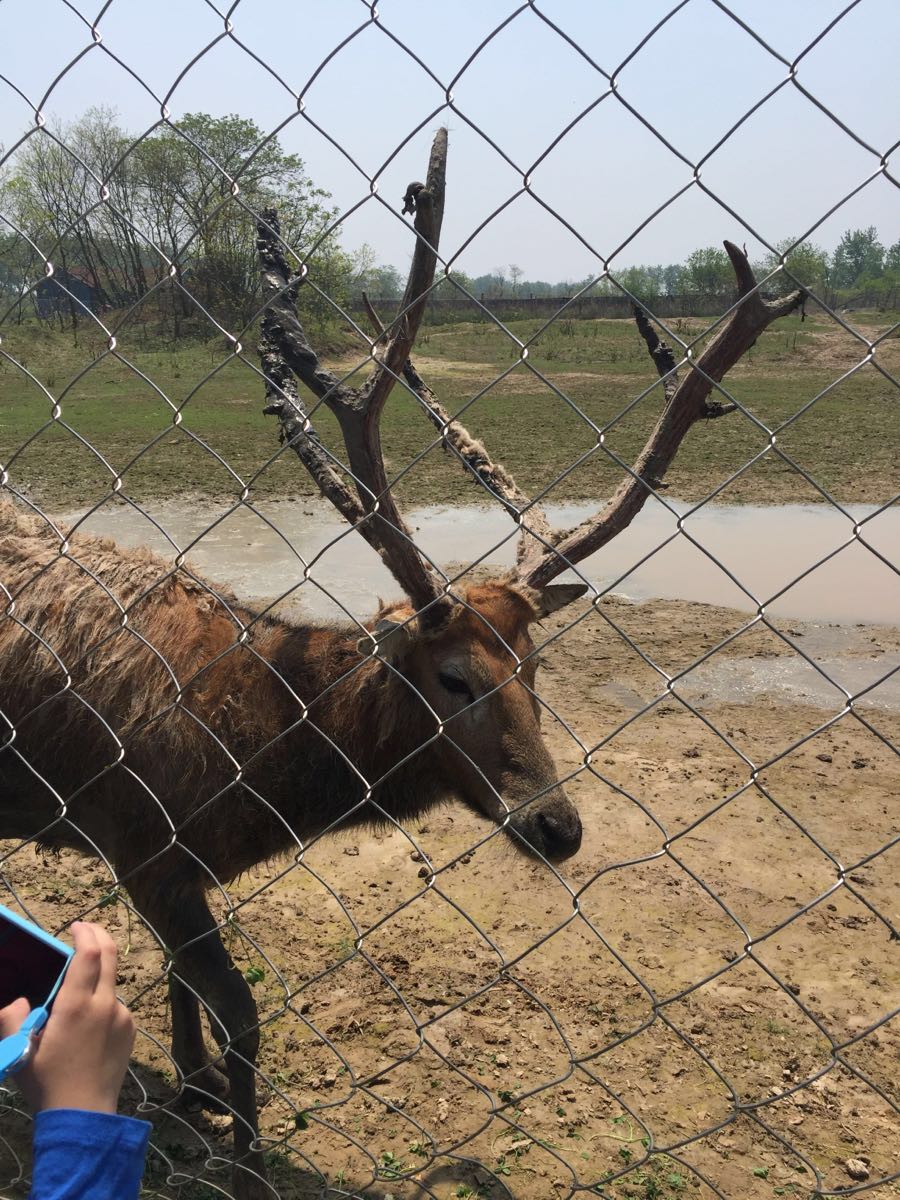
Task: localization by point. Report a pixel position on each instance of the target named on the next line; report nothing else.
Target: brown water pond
(808, 563)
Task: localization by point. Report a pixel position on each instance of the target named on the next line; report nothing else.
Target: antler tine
(659, 351)
(427, 203)
(686, 403)
(279, 324)
(358, 410)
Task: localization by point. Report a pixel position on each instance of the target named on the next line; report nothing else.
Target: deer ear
(393, 639)
(558, 595)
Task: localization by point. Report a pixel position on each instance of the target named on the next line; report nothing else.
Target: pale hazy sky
(781, 171)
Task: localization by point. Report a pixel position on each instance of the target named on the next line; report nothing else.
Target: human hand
(80, 1058)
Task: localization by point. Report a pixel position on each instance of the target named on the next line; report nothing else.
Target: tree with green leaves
(859, 257)
(376, 280)
(708, 272)
(673, 279)
(641, 282)
(126, 213)
(796, 263)
(203, 179)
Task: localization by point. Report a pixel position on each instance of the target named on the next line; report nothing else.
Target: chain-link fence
(647, 952)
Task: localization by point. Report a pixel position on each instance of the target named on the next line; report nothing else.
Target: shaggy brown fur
(151, 719)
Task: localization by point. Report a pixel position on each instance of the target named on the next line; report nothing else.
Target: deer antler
(285, 351)
(686, 403)
(543, 553)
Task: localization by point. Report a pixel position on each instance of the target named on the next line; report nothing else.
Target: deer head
(475, 675)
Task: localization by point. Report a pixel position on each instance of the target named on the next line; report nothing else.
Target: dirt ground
(696, 1004)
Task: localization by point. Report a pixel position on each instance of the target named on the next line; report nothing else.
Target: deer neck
(368, 714)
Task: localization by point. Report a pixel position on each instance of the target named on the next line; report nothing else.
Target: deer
(150, 720)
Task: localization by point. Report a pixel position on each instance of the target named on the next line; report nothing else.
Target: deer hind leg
(205, 1079)
(205, 970)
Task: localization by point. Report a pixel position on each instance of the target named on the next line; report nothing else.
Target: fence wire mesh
(700, 999)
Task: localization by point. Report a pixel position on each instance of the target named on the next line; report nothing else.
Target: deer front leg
(234, 1021)
(205, 971)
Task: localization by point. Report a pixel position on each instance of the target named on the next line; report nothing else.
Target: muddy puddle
(734, 557)
(873, 681)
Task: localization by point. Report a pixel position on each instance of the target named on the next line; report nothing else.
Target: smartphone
(32, 961)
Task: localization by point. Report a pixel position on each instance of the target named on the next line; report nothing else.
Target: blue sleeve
(80, 1155)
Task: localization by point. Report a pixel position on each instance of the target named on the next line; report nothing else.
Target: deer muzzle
(549, 826)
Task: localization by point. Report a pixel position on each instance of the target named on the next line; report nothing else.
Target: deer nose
(560, 833)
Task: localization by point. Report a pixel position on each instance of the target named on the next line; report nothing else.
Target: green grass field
(527, 412)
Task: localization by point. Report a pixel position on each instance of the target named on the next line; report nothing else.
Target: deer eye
(455, 684)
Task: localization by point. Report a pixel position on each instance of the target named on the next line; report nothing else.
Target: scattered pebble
(856, 1169)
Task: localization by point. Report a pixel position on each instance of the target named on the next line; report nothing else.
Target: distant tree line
(860, 265)
(165, 222)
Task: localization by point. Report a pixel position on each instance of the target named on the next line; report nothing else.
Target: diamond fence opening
(645, 952)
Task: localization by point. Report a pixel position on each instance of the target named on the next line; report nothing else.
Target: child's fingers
(108, 955)
(84, 970)
(12, 1016)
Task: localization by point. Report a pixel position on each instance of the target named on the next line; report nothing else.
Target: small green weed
(390, 1166)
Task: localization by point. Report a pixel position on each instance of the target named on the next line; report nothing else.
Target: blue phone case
(15, 1049)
